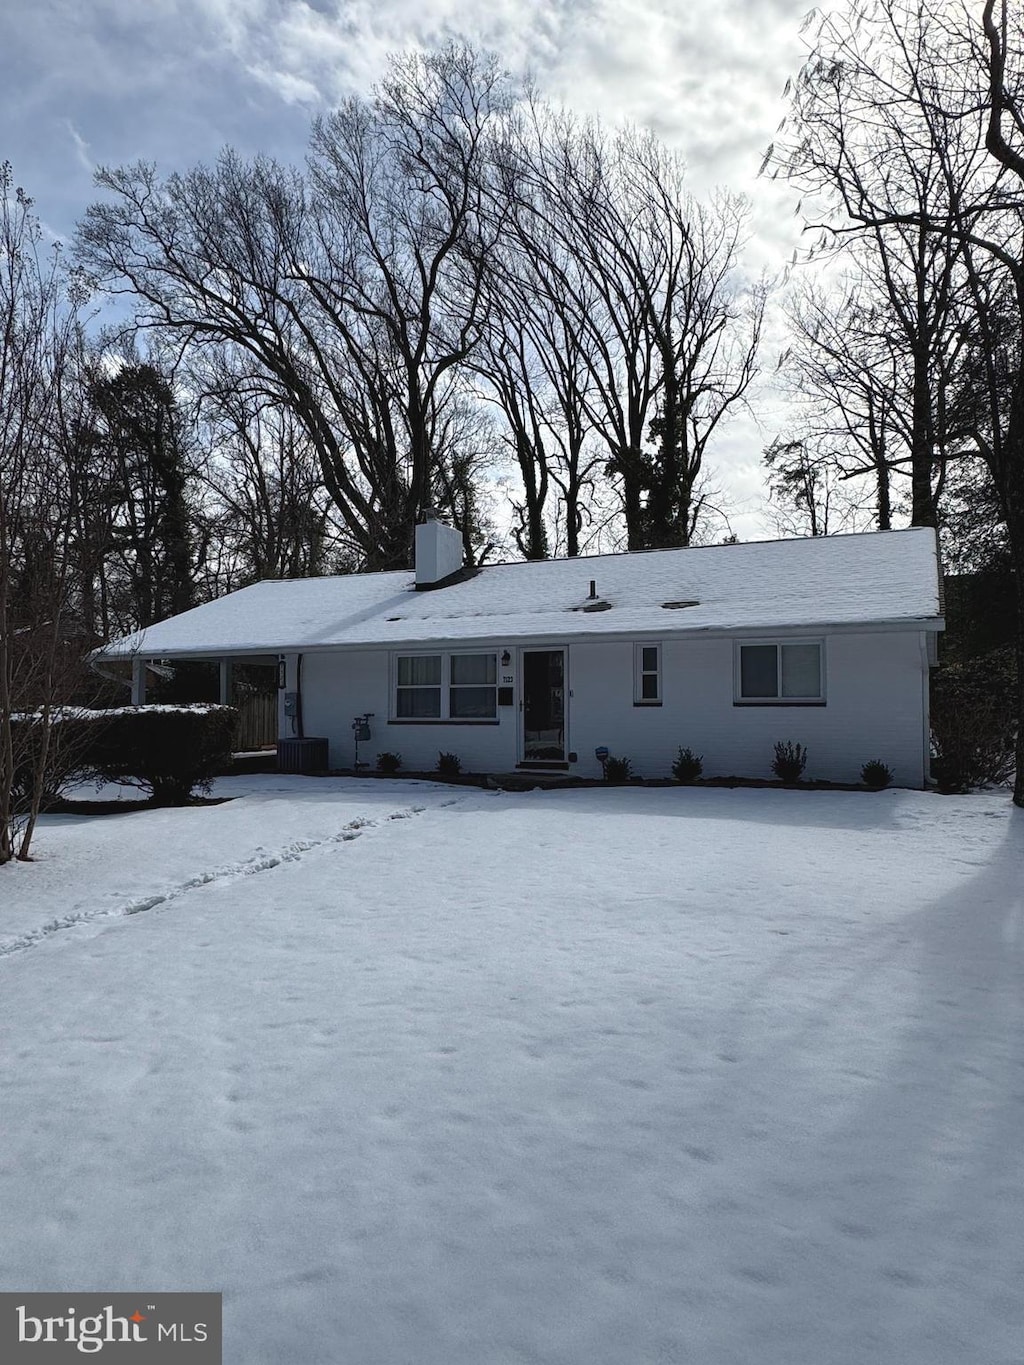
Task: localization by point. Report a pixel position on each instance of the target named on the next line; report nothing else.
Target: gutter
(918, 623)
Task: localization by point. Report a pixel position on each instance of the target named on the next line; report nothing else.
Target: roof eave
(928, 623)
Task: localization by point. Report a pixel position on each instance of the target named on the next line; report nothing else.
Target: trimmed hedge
(172, 751)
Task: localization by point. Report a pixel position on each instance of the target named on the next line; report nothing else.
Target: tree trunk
(922, 453)
(531, 536)
(883, 497)
(1014, 508)
(6, 736)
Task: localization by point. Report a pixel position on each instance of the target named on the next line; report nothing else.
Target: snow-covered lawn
(421, 1075)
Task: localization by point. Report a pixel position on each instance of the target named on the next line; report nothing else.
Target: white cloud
(81, 147)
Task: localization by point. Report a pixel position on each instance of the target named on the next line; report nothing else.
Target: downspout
(299, 731)
(926, 707)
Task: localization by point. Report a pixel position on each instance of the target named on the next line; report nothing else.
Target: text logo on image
(142, 1327)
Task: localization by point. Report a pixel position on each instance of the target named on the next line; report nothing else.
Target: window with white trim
(446, 686)
(647, 675)
(418, 690)
(783, 671)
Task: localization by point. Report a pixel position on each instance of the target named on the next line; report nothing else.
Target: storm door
(543, 705)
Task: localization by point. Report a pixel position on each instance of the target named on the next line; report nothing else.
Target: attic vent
(393, 618)
(678, 606)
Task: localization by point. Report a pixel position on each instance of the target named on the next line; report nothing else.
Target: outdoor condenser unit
(308, 755)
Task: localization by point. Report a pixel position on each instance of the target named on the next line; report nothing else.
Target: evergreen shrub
(790, 761)
(974, 720)
(876, 775)
(617, 770)
(170, 751)
(688, 766)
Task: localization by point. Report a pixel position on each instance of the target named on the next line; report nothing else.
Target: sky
(108, 82)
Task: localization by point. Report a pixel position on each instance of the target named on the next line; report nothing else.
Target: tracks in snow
(261, 861)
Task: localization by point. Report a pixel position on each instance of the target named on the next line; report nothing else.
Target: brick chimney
(438, 551)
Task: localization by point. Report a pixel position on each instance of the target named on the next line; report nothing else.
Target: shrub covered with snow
(170, 751)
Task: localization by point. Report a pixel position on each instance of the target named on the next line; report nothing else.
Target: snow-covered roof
(889, 577)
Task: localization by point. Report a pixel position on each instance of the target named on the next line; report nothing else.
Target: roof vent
(678, 606)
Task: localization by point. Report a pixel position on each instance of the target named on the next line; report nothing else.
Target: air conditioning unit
(308, 755)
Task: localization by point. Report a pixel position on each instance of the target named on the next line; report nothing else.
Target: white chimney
(438, 551)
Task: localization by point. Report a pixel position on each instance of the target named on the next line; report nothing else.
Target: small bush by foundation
(790, 761)
(388, 762)
(688, 766)
(617, 771)
(876, 775)
(450, 765)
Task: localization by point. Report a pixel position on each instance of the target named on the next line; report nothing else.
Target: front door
(543, 705)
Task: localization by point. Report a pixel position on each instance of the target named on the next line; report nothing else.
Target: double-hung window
(647, 675)
(783, 671)
(418, 691)
(473, 684)
(446, 686)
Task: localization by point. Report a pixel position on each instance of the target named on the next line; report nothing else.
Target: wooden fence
(257, 721)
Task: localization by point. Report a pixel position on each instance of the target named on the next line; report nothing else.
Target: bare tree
(38, 648)
(806, 491)
(844, 376)
(866, 134)
(270, 515)
(355, 291)
(532, 367)
(649, 280)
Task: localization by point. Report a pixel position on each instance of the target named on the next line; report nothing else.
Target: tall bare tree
(38, 650)
(649, 278)
(897, 332)
(355, 290)
(268, 512)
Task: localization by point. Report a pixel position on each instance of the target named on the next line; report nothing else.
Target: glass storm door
(543, 705)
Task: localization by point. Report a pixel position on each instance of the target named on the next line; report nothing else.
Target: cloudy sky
(87, 82)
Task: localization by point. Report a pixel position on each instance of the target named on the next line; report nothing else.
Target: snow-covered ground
(422, 1075)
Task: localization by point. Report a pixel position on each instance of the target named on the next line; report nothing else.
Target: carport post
(225, 682)
(138, 681)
